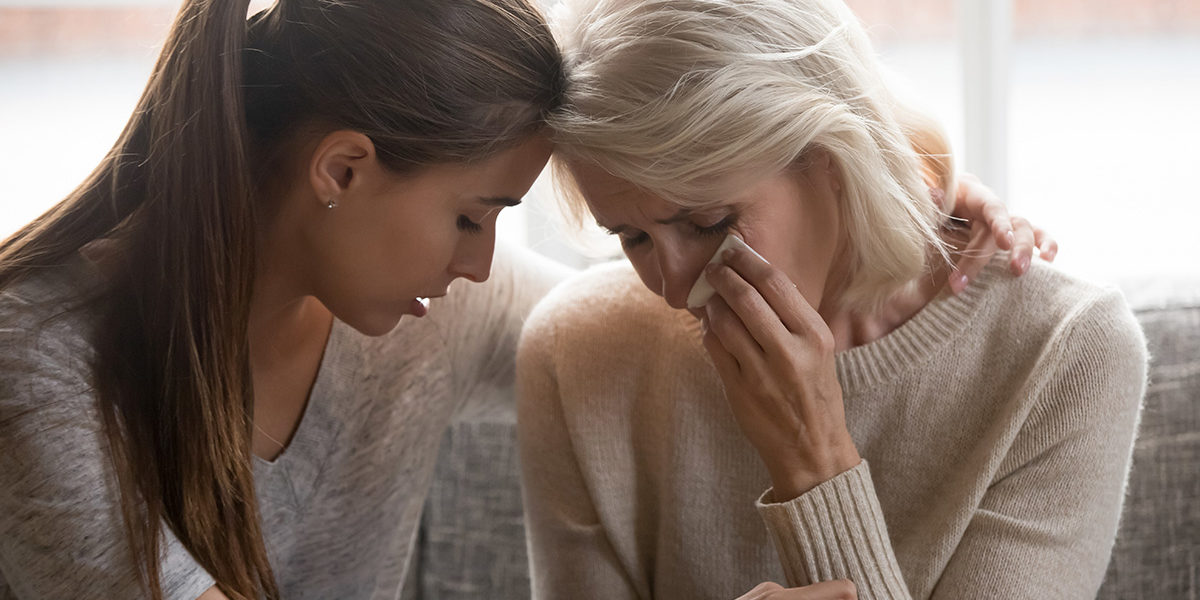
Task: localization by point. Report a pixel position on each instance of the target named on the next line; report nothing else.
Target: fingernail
(1024, 264)
(958, 282)
(1010, 238)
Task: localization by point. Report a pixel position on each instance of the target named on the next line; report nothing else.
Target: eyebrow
(683, 215)
(500, 201)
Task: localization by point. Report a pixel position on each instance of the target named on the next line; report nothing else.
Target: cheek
(399, 250)
(802, 252)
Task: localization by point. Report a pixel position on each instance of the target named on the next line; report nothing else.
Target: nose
(677, 275)
(473, 257)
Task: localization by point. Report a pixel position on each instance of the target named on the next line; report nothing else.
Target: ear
(819, 163)
(341, 161)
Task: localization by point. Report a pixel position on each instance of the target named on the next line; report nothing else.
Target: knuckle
(823, 341)
(779, 284)
(744, 295)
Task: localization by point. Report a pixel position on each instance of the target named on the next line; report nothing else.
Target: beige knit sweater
(996, 429)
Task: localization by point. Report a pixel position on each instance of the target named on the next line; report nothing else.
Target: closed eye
(721, 227)
(469, 226)
(631, 237)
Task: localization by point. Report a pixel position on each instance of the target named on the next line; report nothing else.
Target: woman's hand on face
(839, 589)
(991, 229)
(775, 356)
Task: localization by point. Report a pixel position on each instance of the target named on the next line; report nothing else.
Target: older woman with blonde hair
(914, 442)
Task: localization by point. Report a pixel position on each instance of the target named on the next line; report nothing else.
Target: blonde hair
(691, 99)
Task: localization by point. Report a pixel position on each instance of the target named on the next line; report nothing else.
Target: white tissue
(703, 291)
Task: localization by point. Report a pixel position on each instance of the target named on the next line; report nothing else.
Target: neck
(283, 311)
(289, 329)
(279, 321)
(853, 328)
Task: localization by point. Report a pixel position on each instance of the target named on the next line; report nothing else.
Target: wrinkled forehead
(598, 183)
(610, 198)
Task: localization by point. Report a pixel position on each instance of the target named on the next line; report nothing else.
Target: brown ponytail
(184, 396)
(429, 81)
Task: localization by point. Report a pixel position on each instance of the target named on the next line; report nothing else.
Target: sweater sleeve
(487, 323)
(835, 531)
(570, 553)
(61, 528)
(1046, 526)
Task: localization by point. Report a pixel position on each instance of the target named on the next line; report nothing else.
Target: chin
(374, 325)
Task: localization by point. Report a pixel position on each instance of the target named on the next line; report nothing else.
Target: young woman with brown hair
(356, 152)
(286, 185)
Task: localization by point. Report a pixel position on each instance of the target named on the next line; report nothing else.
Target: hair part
(691, 99)
(179, 198)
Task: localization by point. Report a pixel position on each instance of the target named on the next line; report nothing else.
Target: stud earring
(332, 203)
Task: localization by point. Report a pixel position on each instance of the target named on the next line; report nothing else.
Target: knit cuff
(835, 531)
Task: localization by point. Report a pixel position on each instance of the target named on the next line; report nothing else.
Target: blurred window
(1087, 125)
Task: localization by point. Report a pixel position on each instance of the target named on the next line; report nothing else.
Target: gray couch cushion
(472, 542)
(472, 538)
(1157, 555)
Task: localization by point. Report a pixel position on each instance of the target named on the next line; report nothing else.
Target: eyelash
(469, 226)
(719, 228)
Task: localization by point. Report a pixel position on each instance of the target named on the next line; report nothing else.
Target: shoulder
(605, 302)
(46, 333)
(1064, 306)
(1086, 340)
(50, 426)
(603, 324)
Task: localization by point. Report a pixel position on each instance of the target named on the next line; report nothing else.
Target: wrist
(789, 482)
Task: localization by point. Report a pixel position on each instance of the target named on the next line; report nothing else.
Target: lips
(419, 307)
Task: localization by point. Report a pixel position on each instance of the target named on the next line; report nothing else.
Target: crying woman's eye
(467, 225)
(719, 228)
(631, 239)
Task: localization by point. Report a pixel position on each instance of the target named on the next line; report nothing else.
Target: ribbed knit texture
(836, 531)
(996, 429)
